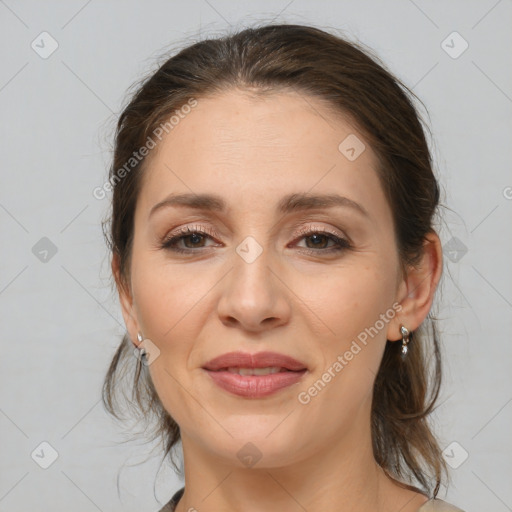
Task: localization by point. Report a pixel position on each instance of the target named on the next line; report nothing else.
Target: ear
(417, 289)
(126, 300)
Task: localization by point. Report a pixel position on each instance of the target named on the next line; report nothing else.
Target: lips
(254, 376)
(244, 360)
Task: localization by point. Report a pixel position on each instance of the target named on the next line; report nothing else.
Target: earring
(142, 350)
(405, 339)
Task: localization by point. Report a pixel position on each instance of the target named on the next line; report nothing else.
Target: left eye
(320, 238)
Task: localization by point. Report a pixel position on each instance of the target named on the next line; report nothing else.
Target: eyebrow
(288, 204)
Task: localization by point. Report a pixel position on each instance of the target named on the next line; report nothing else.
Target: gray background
(60, 321)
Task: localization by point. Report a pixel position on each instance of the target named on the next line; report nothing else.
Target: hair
(353, 82)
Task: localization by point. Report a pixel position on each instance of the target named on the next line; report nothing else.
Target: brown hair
(352, 82)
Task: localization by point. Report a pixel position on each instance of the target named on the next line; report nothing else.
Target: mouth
(255, 386)
(243, 362)
(268, 370)
(254, 375)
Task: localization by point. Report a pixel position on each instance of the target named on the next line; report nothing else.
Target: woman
(274, 252)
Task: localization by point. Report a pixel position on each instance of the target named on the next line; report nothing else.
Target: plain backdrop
(60, 322)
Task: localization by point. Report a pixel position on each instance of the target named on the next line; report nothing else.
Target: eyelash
(342, 244)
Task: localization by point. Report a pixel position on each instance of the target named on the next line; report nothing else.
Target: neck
(341, 475)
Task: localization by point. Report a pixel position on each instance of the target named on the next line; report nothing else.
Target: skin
(252, 151)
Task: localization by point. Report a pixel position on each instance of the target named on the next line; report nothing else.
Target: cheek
(343, 382)
(171, 307)
(351, 303)
(168, 299)
(347, 300)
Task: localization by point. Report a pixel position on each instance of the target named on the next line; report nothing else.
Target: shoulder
(436, 505)
(171, 506)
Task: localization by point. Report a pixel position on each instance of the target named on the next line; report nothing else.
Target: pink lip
(254, 386)
(258, 360)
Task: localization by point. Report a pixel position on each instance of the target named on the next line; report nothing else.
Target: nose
(254, 297)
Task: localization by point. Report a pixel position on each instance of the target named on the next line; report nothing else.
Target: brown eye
(192, 239)
(319, 240)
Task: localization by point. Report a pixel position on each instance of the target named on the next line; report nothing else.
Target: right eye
(193, 235)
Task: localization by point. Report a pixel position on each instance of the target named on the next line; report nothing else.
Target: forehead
(250, 148)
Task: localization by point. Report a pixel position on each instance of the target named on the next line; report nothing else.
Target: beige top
(437, 505)
(433, 505)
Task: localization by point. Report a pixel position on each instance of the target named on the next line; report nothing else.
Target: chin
(256, 443)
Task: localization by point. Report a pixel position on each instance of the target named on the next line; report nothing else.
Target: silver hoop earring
(142, 350)
(405, 339)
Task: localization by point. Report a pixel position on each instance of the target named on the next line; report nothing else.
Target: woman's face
(264, 273)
